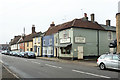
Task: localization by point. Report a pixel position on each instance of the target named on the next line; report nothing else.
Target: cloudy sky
(17, 14)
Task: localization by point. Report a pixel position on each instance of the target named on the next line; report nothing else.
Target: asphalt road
(38, 68)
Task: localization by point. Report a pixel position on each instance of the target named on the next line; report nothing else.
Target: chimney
(92, 17)
(108, 22)
(11, 40)
(85, 16)
(33, 28)
(51, 25)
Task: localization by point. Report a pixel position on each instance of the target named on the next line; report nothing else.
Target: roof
(4, 44)
(38, 34)
(30, 37)
(15, 40)
(108, 28)
(76, 23)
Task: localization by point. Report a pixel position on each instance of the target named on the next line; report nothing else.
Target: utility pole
(118, 28)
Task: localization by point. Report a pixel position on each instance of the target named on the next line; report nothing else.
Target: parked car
(21, 54)
(17, 54)
(10, 53)
(0, 51)
(109, 61)
(14, 53)
(6, 52)
(29, 55)
(3, 52)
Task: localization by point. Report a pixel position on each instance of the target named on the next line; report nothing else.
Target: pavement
(7, 74)
(90, 62)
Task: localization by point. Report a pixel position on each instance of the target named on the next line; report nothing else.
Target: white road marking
(35, 62)
(91, 74)
(1, 61)
(53, 66)
(10, 72)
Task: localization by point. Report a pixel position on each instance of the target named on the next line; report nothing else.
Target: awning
(64, 45)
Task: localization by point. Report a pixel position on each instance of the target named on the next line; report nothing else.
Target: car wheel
(102, 66)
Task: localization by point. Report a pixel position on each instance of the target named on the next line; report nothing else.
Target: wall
(29, 47)
(69, 33)
(90, 45)
(48, 49)
(38, 44)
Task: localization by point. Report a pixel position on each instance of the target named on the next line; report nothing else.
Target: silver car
(109, 61)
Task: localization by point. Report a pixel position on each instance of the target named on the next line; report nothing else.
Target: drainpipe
(58, 44)
(98, 43)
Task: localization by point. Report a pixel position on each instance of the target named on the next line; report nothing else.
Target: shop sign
(79, 40)
(67, 40)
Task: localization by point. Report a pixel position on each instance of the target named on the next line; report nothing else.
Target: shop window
(66, 50)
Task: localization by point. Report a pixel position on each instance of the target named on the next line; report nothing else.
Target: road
(38, 68)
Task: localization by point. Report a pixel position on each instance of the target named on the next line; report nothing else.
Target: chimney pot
(52, 24)
(85, 14)
(108, 22)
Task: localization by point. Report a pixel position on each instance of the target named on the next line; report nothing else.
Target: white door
(80, 52)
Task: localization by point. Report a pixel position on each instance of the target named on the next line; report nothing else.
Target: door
(108, 61)
(56, 52)
(80, 52)
(38, 52)
(115, 61)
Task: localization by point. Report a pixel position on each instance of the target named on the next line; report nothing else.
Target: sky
(17, 14)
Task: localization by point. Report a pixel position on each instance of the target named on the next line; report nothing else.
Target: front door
(56, 52)
(80, 52)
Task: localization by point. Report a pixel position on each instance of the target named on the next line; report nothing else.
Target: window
(27, 44)
(108, 57)
(35, 48)
(27, 49)
(102, 56)
(66, 50)
(35, 41)
(110, 35)
(31, 49)
(56, 40)
(38, 40)
(50, 41)
(66, 34)
(115, 57)
(44, 50)
(44, 42)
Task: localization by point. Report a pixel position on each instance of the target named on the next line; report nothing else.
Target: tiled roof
(30, 37)
(38, 34)
(80, 23)
(109, 28)
(15, 40)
